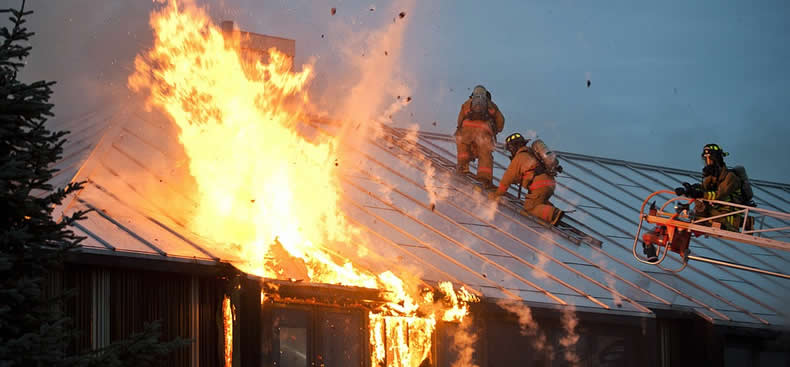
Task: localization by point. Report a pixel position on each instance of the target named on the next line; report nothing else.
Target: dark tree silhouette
(33, 244)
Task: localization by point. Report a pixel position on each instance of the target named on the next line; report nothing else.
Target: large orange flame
(260, 183)
(263, 188)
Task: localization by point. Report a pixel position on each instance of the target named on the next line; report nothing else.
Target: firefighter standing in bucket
(478, 123)
(718, 183)
(534, 167)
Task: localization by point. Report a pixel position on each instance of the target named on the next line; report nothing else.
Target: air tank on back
(543, 153)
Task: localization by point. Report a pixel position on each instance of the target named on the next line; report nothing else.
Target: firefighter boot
(650, 253)
(558, 214)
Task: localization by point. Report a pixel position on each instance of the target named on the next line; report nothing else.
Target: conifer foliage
(33, 329)
(32, 242)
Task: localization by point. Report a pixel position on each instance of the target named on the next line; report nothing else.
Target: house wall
(693, 342)
(306, 335)
(110, 304)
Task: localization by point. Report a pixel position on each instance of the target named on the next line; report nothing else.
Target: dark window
(609, 351)
(341, 339)
(292, 336)
(304, 336)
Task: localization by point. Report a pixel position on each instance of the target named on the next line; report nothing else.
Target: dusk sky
(667, 77)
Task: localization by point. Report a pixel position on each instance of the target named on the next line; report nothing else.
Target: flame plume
(264, 191)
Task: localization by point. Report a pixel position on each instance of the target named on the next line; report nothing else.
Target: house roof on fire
(498, 254)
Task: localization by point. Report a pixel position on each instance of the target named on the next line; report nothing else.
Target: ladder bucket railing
(682, 220)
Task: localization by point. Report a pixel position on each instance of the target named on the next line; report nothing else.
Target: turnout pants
(475, 140)
(536, 202)
(730, 222)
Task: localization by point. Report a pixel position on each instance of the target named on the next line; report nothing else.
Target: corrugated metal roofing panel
(110, 232)
(86, 131)
(142, 225)
(91, 239)
(388, 190)
(607, 192)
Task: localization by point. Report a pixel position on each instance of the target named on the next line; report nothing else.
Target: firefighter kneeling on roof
(478, 123)
(535, 168)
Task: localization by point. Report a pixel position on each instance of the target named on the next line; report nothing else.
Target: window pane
(292, 335)
(341, 336)
(293, 347)
(610, 351)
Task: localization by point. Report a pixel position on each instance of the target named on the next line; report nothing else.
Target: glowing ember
(265, 192)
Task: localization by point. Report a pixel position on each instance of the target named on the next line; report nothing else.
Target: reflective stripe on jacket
(725, 187)
(522, 167)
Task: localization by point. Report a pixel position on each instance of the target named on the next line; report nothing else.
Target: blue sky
(667, 76)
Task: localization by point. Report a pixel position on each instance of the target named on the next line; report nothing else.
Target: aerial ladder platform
(674, 230)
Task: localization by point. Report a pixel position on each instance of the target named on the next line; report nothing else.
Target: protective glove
(693, 191)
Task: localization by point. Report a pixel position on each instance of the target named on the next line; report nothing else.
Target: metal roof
(386, 190)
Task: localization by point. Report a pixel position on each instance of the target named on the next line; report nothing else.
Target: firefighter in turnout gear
(478, 123)
(534, 168)
(718, 183)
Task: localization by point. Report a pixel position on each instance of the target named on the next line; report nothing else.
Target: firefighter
(478, 123)
(718, 183)
(534, 168)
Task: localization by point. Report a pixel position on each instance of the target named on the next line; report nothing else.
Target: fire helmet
(514, 142)
(715, 153)
(480, 89)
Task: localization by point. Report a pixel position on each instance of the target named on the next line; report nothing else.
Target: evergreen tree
(33, 244)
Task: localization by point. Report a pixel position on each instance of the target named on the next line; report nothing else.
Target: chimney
(227, 27)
